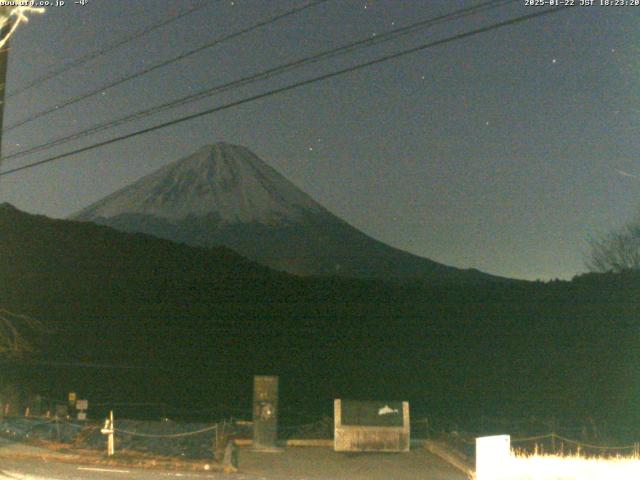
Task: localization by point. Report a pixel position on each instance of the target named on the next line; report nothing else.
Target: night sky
(505, 151)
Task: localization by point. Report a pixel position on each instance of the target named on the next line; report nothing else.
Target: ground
(325, 464)
(302, 463)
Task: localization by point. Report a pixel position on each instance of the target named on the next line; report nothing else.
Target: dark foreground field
(132, 319)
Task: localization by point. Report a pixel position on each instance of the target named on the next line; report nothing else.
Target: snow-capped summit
(224, 181)
(225, 195)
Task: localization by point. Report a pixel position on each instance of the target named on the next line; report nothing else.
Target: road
(37, 469)
(291, 464)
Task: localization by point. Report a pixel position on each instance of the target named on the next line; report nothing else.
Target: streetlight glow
(16, 15)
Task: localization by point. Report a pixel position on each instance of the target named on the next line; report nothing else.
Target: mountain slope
(222, 181)
(225, 195)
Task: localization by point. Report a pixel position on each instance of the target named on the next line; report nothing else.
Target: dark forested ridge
(198, 323)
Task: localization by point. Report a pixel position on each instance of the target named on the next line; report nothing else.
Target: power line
(102, 366)
(104, 50)
(164, 63)
(293, 86)
(272, 72)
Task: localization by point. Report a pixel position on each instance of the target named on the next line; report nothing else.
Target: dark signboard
(372, 413)
(371, 426)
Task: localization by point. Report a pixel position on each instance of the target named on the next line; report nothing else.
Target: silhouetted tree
(618, 251)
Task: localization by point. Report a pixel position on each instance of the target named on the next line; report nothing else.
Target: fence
(557, 444)
(164, 438)
(200, 438)
(483, 425)
(194, 440)
(553, 443)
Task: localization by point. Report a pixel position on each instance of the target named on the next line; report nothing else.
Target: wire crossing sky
(103, 50)
(503, 151)
(362, 43)
(284, 89)
(103, 88)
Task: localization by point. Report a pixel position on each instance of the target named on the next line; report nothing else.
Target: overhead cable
(267, 74)
(293, 86)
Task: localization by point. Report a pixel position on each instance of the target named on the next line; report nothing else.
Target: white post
(111, 443)
(493, 457)
(109, 429)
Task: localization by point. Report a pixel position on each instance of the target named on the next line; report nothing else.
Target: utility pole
(5, 13)
(10, 18)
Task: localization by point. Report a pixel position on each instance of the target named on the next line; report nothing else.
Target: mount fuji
(224, 194)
